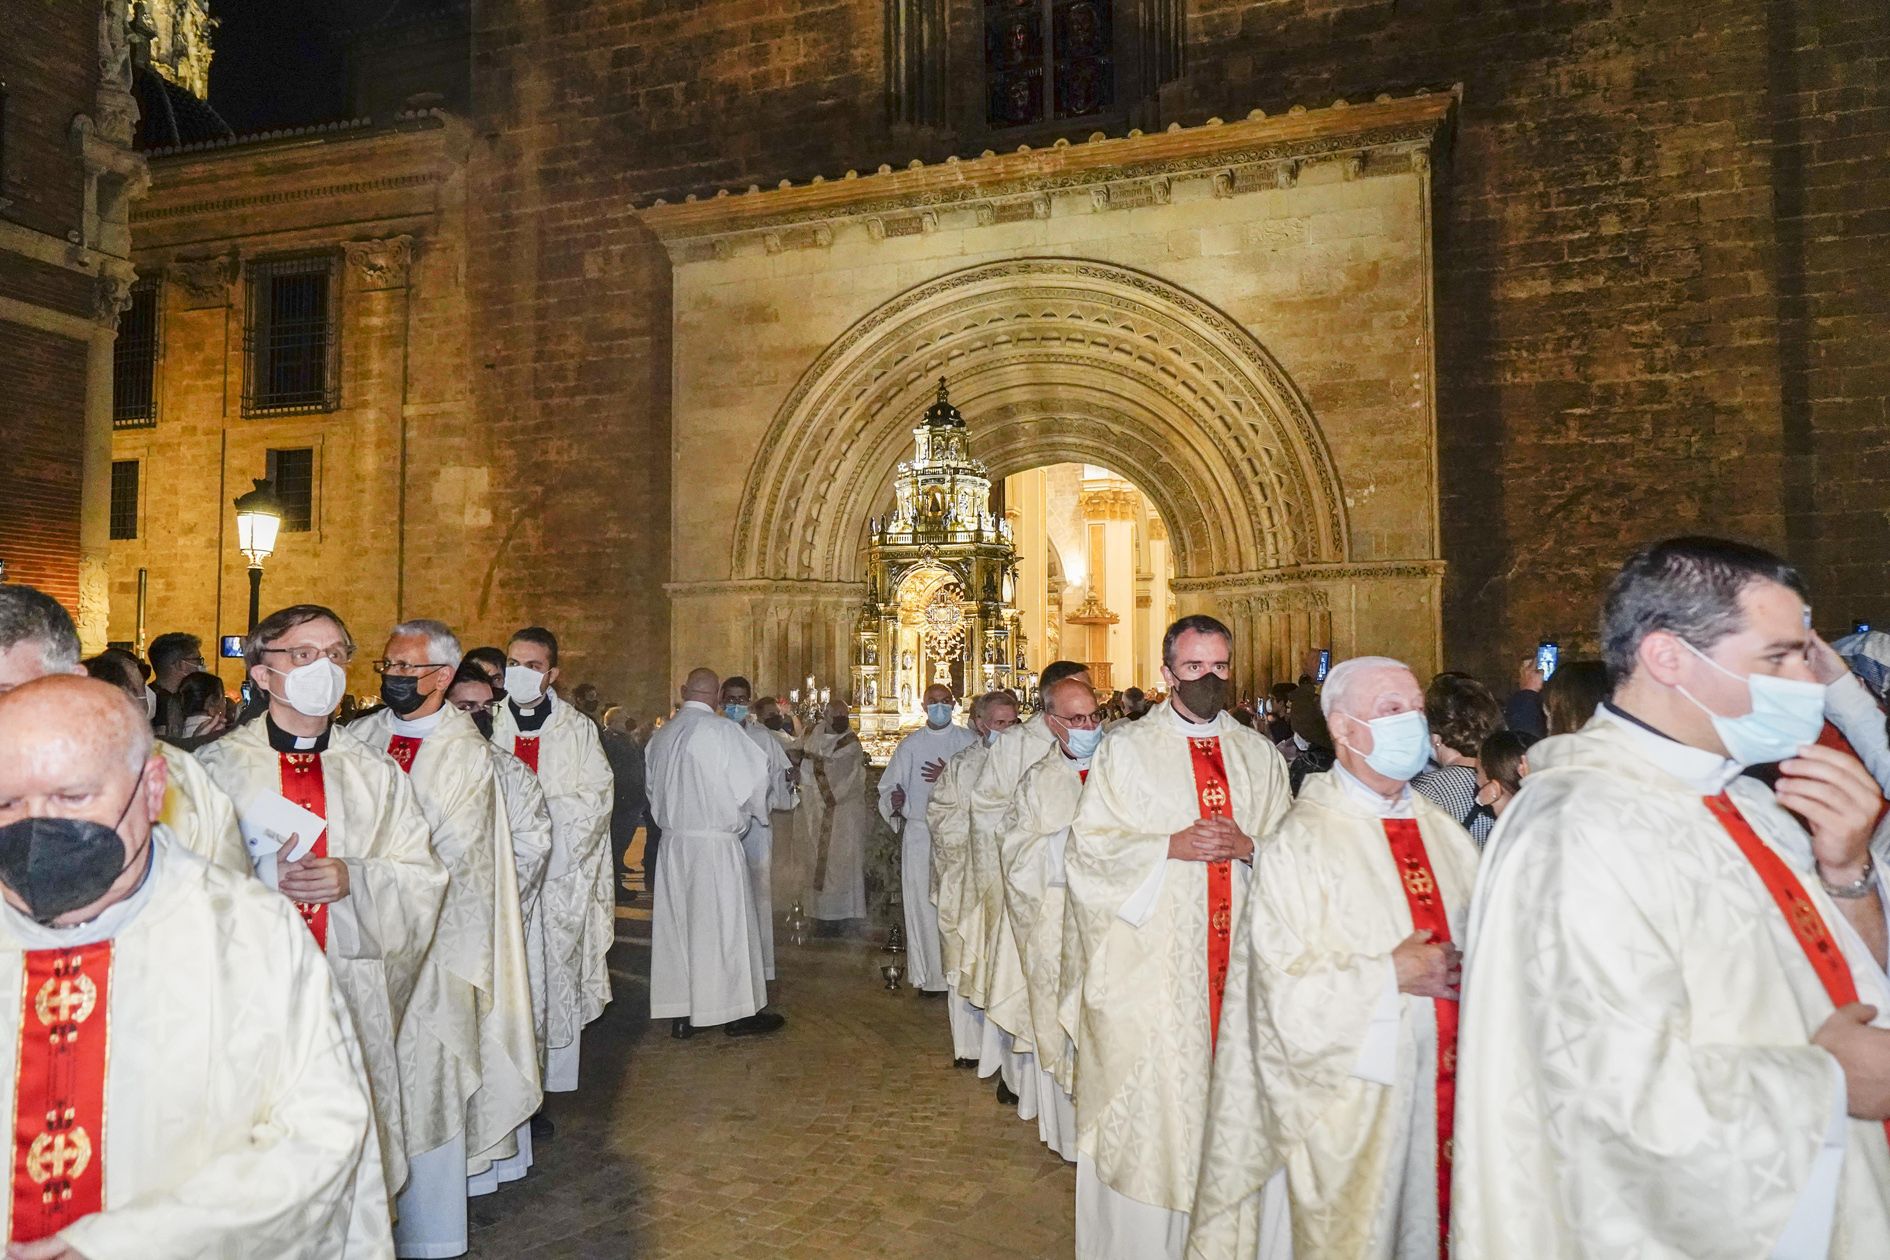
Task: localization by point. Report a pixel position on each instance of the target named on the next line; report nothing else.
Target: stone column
(111, 297)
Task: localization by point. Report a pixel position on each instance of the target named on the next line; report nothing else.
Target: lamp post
(258, 517)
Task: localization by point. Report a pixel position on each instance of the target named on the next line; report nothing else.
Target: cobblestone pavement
(847, 1134)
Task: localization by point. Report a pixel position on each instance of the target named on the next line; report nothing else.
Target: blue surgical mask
(735, 712)
(1786, 715)
(1083, 742)
(991, 738)
(1401, 745)
(938, 715)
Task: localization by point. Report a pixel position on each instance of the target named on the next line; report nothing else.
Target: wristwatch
(1862, 886)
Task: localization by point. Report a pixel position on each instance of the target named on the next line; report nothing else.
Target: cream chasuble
(579, 900)
(1032, 849)
(528, 822)
(758, 840)
(1323, 1067)
(834, 809)
(1635, 1071)
(221, 1106)
(925, 966)
(1147, 942)
(198, 815)
(998, 983)
(948, 818)
(474, 997)
(377, 936)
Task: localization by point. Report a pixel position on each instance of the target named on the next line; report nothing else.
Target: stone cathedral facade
(1409, 318)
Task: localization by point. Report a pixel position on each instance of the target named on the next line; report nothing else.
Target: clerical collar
(1195, 730)
(283, 742)
(109, 922)
(1076, 763)
(1368, 799)
(1705, 772)
(420, 727)
(533, 718)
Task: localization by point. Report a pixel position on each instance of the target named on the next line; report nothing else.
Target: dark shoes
(543, 1130)
(681, 1029)
(755, 1025)
(1004, 1094)
(933, 993)
(964, 1063)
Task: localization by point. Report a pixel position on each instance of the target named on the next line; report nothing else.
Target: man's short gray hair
(30, 616)
(1337, 695)
(442, 644)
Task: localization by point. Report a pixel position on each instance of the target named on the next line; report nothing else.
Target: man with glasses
(474, 996)
(174, 657)
(1031, 850)
(905, 789)
(333, 824)
(1158, 865)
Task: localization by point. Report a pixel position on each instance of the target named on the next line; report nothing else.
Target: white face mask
(314, 689)
(195, 725)
(150, 703)
(1401, 745)
(525, 686)
(1786, 715)
(938, 716)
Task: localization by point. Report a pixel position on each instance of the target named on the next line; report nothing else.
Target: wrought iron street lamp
(258, 518)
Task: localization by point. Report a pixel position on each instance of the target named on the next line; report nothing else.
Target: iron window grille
(124, 499)
(134, 360)
(291, 351)
(293, 474)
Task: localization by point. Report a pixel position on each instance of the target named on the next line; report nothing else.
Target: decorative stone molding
(204, 282)
(111, 296)
(380, 264)
(1107, 504)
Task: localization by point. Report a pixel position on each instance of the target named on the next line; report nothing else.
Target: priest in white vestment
(1667, 1047)
(833, 803)
(37, 638)
(579, 901)
(708, 783)
(948, 819)
(205, 1090)
(905, 789)
(1337, 1052)
(1158, 875)
(475, 991)
(366, 883)
(1032, 846)
(740, 707)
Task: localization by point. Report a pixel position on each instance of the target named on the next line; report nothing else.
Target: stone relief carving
(204, 281)
(380, 264)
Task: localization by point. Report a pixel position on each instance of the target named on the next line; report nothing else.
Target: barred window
(134, 360)
(293, 474)
(292, 358)
(1048, 59)
(124, 499)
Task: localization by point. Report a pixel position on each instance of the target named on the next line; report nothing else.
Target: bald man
(708, 785)
(184, 1081)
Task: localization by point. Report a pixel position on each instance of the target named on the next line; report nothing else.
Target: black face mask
(840, 725)
(56, 865)
(775, 723)
(1204, 697)
(482, 718)
(402, 695)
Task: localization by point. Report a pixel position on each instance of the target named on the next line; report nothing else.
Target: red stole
(525, 748)
(1211, 793)
(302, 783)
(1421, 893)
(403, 749)
(1801, 915)
(59, 1103)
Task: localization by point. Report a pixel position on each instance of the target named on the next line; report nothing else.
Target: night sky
(279, 63)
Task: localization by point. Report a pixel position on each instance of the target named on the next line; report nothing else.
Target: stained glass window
(1048, 59)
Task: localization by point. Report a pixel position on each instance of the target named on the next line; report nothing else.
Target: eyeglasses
(1087, 722)
(401, 669)
(299, 656)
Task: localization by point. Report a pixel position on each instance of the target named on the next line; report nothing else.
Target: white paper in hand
(267, 821)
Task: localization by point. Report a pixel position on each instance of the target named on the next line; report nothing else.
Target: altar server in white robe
(1676, 1018)
(1158, 870)
(738, 706)
(905, 789)
(708, 783)
(37, 638)
(997, 982)
(1032, 848)
(369, 887)
(579, 902)
(1337, 1053)
(208, 1091)
(948, 819)
(833, 767)
(475, 987)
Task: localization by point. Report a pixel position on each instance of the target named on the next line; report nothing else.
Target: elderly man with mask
(201, 1092)
(334, 826)
(579, 902)
(1031, 848)
(905, 789)
(708, 785)
(1158, 864)
(474, 996)
(758, 840)
(948, 819)
(1337, 1054)
(37, 638)
(836, 814)
(1676, 1029)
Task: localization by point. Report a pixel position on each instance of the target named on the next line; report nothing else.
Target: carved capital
(204, 281)
(380, 264)
(111, 296)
